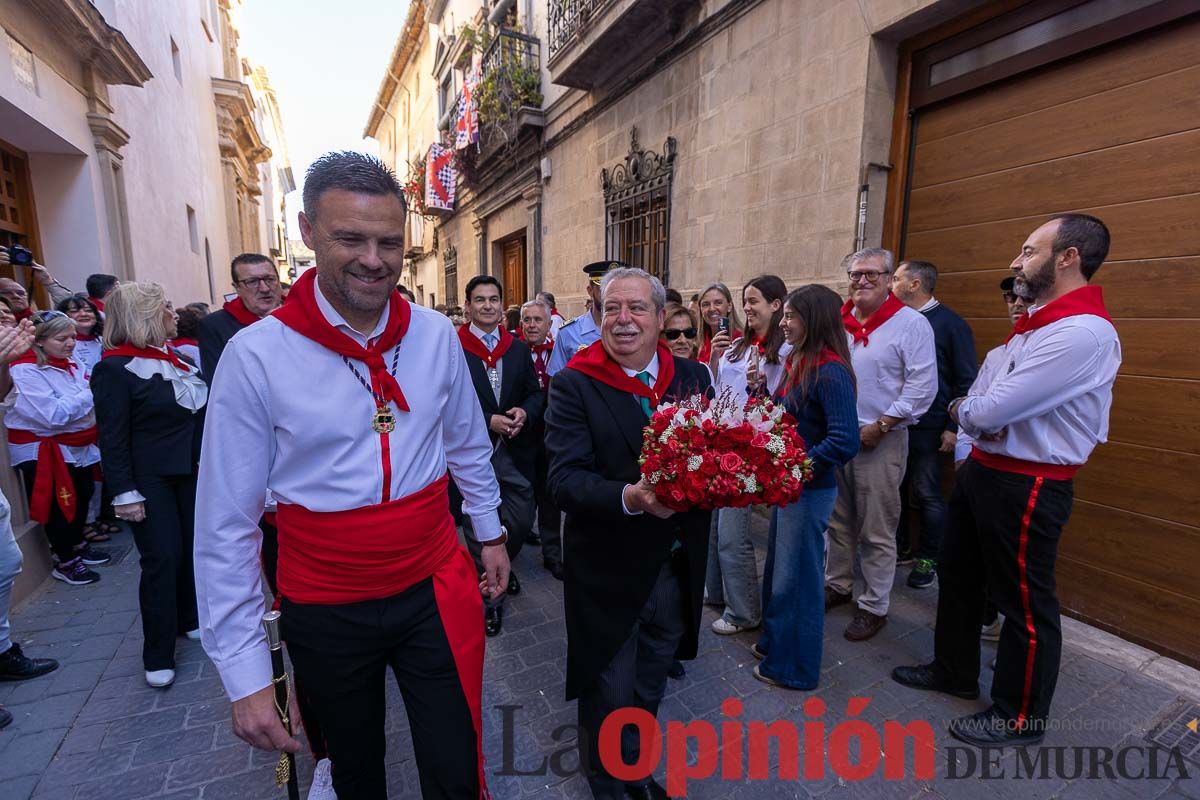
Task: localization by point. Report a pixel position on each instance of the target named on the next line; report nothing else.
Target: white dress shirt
(896, 371)
(286, 415)
(87, 353)
(733, 373)
(983, 379)
(1051, 392)
(50, 401)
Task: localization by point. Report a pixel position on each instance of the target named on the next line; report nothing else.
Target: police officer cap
(598, 268)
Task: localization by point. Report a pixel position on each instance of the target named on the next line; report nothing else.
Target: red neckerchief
(1084, 300)
(25, 313)
(148, 352)
(239, 311)
(827, 356)
(86, 337)
(861, 330)
(65, 364)
(180, 341)
(475, 346)
(595, 362)
(301, 314)
(541, 360)
(98, 303)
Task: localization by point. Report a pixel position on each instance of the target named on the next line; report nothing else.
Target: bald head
(14, 293)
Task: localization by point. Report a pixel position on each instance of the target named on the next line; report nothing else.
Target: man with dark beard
(350, 405)
(1035, 423)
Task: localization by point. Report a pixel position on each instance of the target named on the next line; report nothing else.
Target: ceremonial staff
(285, 770)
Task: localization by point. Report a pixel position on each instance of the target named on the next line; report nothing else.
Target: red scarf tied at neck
(862, 330)
(301, 314)
(1084, 300)
(24, 313)
(595, 362)
(149, 352)
(239, 311)
(475, 346)
(541, 360)
(65, 364)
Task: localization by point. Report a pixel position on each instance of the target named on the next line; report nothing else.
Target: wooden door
(514, 272)
(1116, 133)
(18, 225)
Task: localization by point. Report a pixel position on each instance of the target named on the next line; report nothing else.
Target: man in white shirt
(895, 366)
(350, 404)
(1041, 410)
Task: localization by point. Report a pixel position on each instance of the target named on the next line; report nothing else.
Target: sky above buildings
(325, 59)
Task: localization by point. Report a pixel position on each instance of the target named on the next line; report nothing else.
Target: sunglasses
(671, 334)
(46, 316)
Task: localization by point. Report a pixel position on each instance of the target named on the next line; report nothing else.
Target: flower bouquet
(713, 453)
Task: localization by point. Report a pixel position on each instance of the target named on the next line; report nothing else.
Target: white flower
(798, 473)
(775, 445)
(694, 462)
(750, 482)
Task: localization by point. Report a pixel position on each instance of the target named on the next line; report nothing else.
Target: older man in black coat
(634, 571)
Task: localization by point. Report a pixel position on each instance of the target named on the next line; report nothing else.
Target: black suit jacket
(142, 430)
(213, 334)
(611, 560)
(518, 389)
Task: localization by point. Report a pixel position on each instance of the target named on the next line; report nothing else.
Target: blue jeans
(794, 591)
(739, 570)
(10, 568)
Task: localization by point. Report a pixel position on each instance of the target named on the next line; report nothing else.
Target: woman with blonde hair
(52, 443)
(149, 404)
(721, 327)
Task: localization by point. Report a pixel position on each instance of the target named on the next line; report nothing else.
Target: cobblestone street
(93, 729)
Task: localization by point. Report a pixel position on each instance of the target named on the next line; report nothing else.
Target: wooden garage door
(1116, 133)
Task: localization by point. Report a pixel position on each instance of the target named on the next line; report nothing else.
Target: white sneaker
(194, 634)
(991, 633)
(160, 678)
(322, 782)
(725, 628)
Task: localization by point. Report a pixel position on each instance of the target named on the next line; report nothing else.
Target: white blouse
(50, 401)
(87, 353)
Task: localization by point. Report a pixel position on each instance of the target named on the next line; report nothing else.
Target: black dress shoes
(988, 729)
(16, 666)
(676, 671)
(514, 585)
(555, 568)
(926, 678)
(649, 791)
(493, 618)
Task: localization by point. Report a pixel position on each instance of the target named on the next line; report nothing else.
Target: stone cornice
(108, 134)
(97, 42)
(237, 133)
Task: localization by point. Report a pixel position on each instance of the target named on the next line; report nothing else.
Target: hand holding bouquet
(720, 453)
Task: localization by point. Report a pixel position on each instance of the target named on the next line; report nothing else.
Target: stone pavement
(93, 729)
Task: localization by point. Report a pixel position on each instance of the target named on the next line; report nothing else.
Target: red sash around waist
(367, 553)
(1054, 472)
(53, 478)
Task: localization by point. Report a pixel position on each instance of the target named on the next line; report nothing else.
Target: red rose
(731, 462)
(761, 440)
(677, 497)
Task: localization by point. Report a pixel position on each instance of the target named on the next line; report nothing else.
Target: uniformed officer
(584, 329)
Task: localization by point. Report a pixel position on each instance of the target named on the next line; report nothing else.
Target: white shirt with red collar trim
(1050, 392)
(286, 415)
(896, 371)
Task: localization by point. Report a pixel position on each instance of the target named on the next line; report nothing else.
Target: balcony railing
(566, 17)
(511, 48)
(508, 96)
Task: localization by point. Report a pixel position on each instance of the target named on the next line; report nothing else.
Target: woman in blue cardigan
(819, 392)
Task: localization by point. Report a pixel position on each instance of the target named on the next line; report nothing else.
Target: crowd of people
(513, 428)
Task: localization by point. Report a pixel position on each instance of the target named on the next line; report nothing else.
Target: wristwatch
(883, 426)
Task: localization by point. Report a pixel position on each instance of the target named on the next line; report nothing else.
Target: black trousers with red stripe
(341, 654)
(1001, 540)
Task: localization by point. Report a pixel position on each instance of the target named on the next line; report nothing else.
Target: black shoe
(5, 717)
(514, 585)
(925, 677)
(676, 671)
(533, 539)
(649, 791)
(988, 729)
(493, 618)
(555, 568)
(834, 598)
(92, 556)
(923, 574)
(16, 666)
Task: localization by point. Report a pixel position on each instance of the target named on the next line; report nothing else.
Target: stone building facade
(720, 139)
(134, 140)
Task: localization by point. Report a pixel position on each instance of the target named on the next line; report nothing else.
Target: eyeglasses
(1010, 297)
(671, 334)
(46, 316)
(270, 281)
(870, 277)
